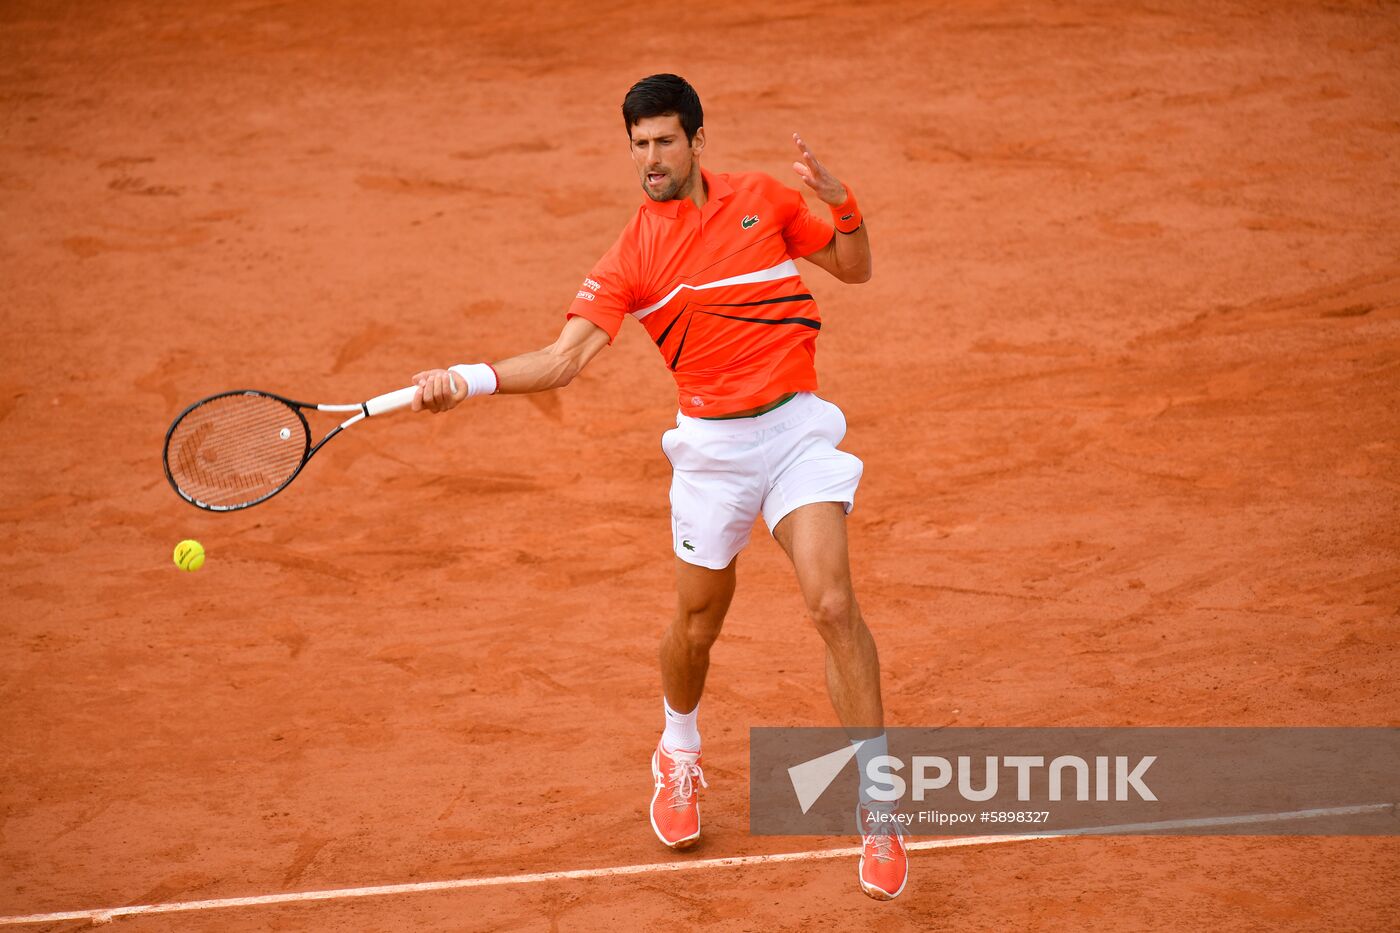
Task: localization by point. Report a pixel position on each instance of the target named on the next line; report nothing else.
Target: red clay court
(1126, 384)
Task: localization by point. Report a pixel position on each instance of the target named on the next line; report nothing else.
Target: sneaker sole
(680, 844)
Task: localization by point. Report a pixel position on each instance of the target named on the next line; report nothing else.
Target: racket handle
(390, 401)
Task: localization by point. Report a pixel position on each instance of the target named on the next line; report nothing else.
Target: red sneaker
(884, 865)
(675, 811)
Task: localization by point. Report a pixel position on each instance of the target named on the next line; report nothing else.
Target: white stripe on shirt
(783, 270)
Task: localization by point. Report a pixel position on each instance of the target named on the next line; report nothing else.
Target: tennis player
(707, 267)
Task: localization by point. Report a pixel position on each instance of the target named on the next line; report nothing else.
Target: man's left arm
(847, 255)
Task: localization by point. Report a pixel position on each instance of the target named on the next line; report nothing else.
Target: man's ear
(697, 145)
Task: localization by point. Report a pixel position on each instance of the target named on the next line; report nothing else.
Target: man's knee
(697, 627)
(835, 614)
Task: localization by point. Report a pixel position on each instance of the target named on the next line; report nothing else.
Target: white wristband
(479, 377)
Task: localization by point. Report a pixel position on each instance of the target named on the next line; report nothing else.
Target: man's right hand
(438, 390)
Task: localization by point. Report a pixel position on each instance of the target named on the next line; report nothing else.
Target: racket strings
(236, 449)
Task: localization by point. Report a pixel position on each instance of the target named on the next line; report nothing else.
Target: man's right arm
(552, 367)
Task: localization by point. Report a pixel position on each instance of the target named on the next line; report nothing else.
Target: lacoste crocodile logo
(687, 545)
(749, 221)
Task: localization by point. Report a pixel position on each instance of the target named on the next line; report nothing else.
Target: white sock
(868, 750)
(681, 732)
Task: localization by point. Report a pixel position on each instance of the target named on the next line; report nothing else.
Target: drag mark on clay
(308, 847)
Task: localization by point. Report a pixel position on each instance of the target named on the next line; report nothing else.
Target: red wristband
(847, 213)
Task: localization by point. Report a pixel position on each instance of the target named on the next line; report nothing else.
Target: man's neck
(698, 193)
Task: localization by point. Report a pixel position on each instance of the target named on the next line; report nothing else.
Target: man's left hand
(816, 176)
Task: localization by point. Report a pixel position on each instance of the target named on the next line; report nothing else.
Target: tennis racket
(236, 449)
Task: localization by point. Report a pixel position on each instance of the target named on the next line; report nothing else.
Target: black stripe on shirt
(767, 301)
(804, 321)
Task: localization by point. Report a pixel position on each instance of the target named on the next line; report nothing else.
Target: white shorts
(728, 472)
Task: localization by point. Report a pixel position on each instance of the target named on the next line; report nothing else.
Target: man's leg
(703, 598)
(814, 537)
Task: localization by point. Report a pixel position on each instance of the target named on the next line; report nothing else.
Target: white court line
(103, 915)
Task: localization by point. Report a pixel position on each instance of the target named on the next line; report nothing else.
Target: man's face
(666, 161)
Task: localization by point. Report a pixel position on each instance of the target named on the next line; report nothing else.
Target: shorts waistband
(778, 403)
(800, 408)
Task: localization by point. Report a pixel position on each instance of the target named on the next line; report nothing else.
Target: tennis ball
(189, 555)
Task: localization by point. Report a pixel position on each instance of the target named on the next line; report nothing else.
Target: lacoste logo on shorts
(749, 221)
(687, 545)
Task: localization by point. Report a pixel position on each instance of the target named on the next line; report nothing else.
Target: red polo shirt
(718, 291)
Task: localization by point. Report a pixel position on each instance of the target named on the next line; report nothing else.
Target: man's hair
(659, 96)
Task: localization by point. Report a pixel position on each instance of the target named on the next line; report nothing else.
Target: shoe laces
(684, 771)
(880, 846)
(879, 839)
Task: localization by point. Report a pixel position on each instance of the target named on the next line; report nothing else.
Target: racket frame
(380, 404)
